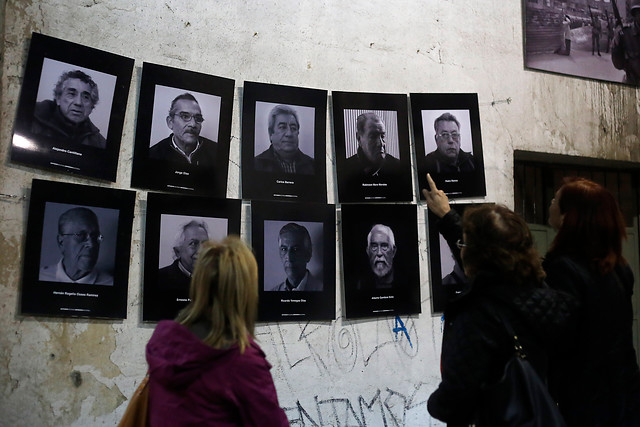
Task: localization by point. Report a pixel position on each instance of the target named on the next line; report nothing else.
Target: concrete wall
(69, 372)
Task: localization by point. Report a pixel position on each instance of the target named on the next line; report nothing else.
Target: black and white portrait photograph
(176, 226)
(380, 260)
(447, 278)
(448, 143)
(78, 244)
(283, 143)
(372, 147)
(590, 39)
(183, 145)
(71, 109)
(295, 249)
(75, 234)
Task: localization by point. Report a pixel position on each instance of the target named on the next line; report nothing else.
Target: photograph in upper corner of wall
(71, 108)
(381, 274)
(75, 234)
(582, 39)
(371, 135)
(448, 143)
(294, 244)
(183, 131)
(284, 143)
(176, 226)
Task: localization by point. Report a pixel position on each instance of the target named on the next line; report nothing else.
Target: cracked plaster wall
(71, 372)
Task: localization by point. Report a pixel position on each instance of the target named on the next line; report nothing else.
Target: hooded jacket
(193, 384)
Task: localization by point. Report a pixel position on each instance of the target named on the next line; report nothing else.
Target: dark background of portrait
(108, 221)
(209, 105)
(111, 72)
(390, 120)
(458, 184)
(260, 185)
(273, 270)
(165, 212)
(114, 208)
(357, 221)
(394, 111)
(159, 85)
(306, 117)
(51, 72)
(171, 225)
(266, 220)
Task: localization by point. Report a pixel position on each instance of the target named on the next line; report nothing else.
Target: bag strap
(517, 347)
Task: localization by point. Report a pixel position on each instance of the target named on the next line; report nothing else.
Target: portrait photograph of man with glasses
(71, 245)
(448, 142)
(182, 131)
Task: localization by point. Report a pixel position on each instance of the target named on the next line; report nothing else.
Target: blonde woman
(204, 367)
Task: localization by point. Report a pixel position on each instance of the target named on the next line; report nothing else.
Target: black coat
(476, 345)
(594, 375)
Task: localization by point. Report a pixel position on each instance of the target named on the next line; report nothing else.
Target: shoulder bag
(137, 412)
(520, 398)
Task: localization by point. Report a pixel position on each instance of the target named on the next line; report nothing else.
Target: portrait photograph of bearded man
(380, 260)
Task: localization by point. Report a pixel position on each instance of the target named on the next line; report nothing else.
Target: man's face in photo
(79, 243)
(381, 253)
(75, 100)
(448, 139)
(188, 250)
(285, 134)
(293, 254)
(372, 140)
(186, 123)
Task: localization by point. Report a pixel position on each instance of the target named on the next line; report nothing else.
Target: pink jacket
(193, 384)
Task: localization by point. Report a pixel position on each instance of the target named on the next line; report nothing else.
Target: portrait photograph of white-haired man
(180, 239)
(78, 244)
(380, 259)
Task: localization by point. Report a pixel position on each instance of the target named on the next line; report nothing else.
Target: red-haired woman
(595, 379)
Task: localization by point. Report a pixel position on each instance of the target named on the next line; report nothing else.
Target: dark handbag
(520, 398)
(137, 412)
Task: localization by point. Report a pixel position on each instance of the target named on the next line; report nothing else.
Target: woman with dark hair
(204, 367)
(506, 282)
(595, 378)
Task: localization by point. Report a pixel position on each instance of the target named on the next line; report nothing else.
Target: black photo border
(59, 156)
(74, 299)
(455, 185)
(356, 222)
(158, 305)
(296, 306)
(351, 189)
(159, 175)
(259, 185)
(439, 294)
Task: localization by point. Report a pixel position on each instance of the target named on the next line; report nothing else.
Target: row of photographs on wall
(72, 106)
(78, 248)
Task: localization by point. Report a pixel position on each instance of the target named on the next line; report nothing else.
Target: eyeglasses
(460, 244)
(188, 116)
(83, 236)
(384, 247)
(446, 135)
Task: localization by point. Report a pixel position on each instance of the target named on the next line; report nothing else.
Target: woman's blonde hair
(224, 293)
